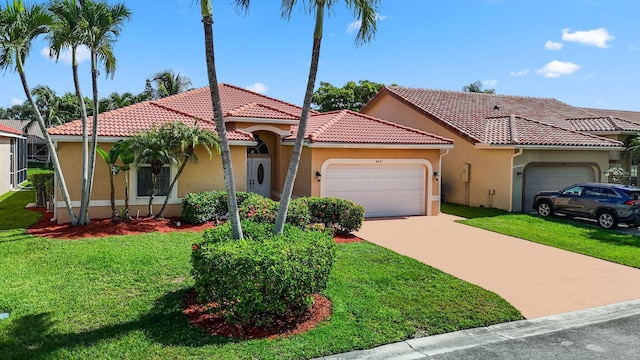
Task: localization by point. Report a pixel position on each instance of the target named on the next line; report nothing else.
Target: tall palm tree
(229, 183)
(20, 25)
(169, 83)
(365, 12)
(185, 140)
(101, 26)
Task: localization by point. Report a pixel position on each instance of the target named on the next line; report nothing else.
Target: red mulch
(284, 327)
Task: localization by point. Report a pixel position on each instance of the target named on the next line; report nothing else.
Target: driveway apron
(538, 280)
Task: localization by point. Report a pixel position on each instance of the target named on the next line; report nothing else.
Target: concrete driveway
(537, 279)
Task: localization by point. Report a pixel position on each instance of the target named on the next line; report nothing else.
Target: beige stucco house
(507, 148)
(391, 169)
(13, 158)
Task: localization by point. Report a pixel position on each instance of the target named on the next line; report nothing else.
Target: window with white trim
(143, 187)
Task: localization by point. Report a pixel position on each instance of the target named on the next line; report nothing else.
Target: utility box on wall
(465, 172)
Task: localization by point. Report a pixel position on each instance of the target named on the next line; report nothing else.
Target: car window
(572, 191)
(634, 195)
(609, 193)
(592, 191)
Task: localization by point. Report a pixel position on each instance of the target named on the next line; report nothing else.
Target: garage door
(383, 189)
(550, 178)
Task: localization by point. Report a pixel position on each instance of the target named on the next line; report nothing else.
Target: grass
(557, 232)
(121, 297)
(13, 215)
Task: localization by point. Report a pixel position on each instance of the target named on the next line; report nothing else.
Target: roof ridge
(476, 93)
(400, 126)
(340, 114)
(264, 96)
(168, 108)
(513, 128)
(572, 131)
(254, 104)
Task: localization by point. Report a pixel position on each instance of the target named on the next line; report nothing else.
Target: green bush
(259, 209)
(256, 280)
(198, 208)
(42, 181)
(343, 215)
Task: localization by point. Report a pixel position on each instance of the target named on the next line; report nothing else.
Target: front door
(259, 175)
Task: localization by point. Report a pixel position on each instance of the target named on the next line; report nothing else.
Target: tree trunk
(173, 183)
(292, 171)
(225, 151)
(52, 150)
(94, 140)
(114, 213)
(154, 179)
(85, 140)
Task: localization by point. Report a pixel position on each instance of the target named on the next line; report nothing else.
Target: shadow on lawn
(13, 235)
(31, 337)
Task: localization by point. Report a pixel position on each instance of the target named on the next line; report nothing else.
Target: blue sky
(582, 52)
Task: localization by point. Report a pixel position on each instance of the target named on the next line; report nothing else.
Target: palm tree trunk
(173, 183)
(85, 140)
(292, 171)
(126, 194)
(225, 151)
(154, 180)
(114, 214)
(52, 150)
(94, 137)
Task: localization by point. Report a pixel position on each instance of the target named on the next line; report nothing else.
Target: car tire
(607, 219)
(544, 208)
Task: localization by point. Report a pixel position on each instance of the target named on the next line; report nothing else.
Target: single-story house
(507, 148)
(391, 169)
(13, 158)
(37, 150)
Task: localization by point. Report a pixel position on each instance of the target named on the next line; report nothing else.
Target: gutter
(518, 153)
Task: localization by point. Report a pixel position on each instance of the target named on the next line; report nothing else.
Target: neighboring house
(36, 146)
(507, 148)
(13, 158)
(390, 169)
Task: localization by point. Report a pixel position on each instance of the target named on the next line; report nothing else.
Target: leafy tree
(169, 83)
(110, 159)
(476, 87)
(351, 96)
(117, 101)
(20, 25)
(365, 12)
(154, 148)
(229, 182)
(184, 142)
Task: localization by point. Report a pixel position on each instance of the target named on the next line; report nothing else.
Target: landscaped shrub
(343, 215)
(263, 277)
(42, 181)
(298, 212)
(259, 209)
(198, 208)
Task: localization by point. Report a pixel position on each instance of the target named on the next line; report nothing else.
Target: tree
(168, 83)
(110, 159)
(365, 12)
(351, 96)
(229, 182)
(184, 141)
(476, 87)
(117, 101)
(20, 25)
(152, 147)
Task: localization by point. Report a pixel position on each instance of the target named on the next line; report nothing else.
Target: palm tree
(20, 25)
(476, 87)
(117, 101)
(229, 183)
(168, 83)
(110, 159)
(185, 140)
(365, 12)
(154, 148)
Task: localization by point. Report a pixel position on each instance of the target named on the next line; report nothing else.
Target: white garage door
(550, 178)
(383, 189)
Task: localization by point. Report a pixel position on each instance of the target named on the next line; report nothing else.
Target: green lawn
(557, 232)
(121, 297)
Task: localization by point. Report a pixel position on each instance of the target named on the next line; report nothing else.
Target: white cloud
(551, 45)
(490, 83)
(355, 26)
(520, 73)
(82, 54)
(598, 37)
(556, 69)
(260, 88)
(16, 101)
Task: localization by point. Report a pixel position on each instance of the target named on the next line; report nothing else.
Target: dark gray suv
(609, 204)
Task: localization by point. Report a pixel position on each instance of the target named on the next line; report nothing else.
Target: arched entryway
(259, 167)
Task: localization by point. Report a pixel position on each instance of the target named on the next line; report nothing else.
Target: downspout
(518, 153)
(445, 153)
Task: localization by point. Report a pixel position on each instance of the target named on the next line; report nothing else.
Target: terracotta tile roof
(515, 130)
(9, 130)
(236, 102)
(631, 116)
(349, 127)
(476, 116)
(605, 123)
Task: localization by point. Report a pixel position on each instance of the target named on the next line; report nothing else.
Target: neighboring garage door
(550, 178)
(383, 189)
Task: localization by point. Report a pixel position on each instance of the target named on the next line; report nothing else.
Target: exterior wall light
(436, 175)
(318, 175)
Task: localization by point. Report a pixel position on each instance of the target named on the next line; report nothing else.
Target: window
(144, 181)
(573, 191)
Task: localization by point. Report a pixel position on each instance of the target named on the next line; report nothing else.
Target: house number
(379, 161)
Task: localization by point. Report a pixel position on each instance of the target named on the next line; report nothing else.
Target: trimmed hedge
(198, 208)
(343, 215)
(42, 181)
(263, 277)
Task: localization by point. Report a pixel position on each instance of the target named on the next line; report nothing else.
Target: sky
(582, 52)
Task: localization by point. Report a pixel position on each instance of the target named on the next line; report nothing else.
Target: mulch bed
(196, 312)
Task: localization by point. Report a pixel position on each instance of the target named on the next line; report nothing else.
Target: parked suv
(609, 204)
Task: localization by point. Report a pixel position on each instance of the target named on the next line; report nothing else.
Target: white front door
(259, 175)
